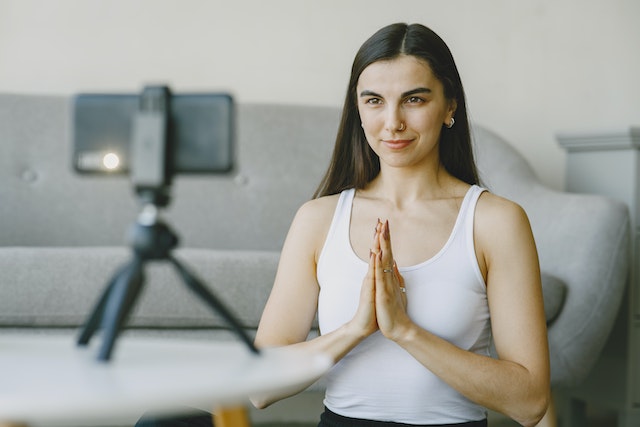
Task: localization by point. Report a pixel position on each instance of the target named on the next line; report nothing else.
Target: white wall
(530, 68)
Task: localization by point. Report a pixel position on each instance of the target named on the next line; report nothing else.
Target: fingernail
(386, 229)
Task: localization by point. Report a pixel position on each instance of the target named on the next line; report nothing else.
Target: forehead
(401, 73)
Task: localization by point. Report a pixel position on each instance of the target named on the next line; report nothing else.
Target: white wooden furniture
(47, 380)
(608, 163)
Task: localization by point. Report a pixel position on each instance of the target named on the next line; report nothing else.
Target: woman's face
(403, 108)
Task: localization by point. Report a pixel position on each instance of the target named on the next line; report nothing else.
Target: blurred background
(530, 68)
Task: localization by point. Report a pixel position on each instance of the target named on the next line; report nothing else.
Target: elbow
(259, 402)
(534, 411)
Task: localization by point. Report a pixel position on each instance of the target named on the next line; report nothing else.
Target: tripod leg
(121, 299)
(196, 286)
(93, 322)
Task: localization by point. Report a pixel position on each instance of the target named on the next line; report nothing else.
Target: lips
(397, 144)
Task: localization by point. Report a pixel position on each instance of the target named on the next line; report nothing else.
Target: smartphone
(201, 133)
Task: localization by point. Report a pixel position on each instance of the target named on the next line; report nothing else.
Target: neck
(401, 185)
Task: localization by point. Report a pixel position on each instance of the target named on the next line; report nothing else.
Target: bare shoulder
(501, 229)
(503, 236)
(496, 214)
(312, 222)
(317, 213)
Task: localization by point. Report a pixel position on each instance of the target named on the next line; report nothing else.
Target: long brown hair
(354, 164)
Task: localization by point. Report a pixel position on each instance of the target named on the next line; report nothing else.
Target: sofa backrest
(281, 155)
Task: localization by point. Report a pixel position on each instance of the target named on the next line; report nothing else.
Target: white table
(47, 380)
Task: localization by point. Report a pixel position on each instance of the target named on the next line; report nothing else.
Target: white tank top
(446, 295)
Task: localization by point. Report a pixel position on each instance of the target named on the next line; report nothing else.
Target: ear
(451, 111)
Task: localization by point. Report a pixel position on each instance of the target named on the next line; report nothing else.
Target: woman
(411, 267)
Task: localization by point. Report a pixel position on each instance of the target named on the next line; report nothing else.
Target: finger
(368, 285)
(378, 266)
(401, 284)
(398, 275)
(384, 276)
(385, 245)
(372, 260)
(375, 248)
(377, 228)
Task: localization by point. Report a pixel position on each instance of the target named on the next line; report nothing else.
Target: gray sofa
(62, 235)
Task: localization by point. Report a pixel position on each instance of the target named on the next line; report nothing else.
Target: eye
(414, 100)
(373, 101)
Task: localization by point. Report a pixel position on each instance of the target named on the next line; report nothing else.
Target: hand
(364, 320)
(390, 298)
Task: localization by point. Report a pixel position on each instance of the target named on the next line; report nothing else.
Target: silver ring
(403, 289)
(387, 270)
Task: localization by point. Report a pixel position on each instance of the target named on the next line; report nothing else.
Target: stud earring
(450, 125)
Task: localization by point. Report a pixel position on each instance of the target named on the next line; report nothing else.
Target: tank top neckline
(457, 225)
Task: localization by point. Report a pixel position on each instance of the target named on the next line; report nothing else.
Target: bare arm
(517, 383)
(292, 305)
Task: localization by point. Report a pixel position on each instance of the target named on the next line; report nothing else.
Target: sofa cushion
(58, 287)
(553, 293)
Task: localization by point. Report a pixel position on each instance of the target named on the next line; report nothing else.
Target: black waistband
(331, 419)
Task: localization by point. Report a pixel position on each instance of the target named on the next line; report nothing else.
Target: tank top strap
(472, 197)
(340, 223)
(468, 208)
(468, 216)
(463, 228)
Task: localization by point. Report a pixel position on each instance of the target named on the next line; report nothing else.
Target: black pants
(194, 419)
(327, 419)
(331, 419)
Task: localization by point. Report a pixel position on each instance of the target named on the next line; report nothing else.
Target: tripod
(150, 238)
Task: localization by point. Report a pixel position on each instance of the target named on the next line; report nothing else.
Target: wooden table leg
(231, 417)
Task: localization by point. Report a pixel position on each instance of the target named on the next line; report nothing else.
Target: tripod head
(150, 237)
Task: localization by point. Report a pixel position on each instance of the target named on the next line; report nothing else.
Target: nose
(394, 120)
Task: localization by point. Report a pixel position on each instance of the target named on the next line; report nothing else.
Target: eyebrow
(404, 95)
